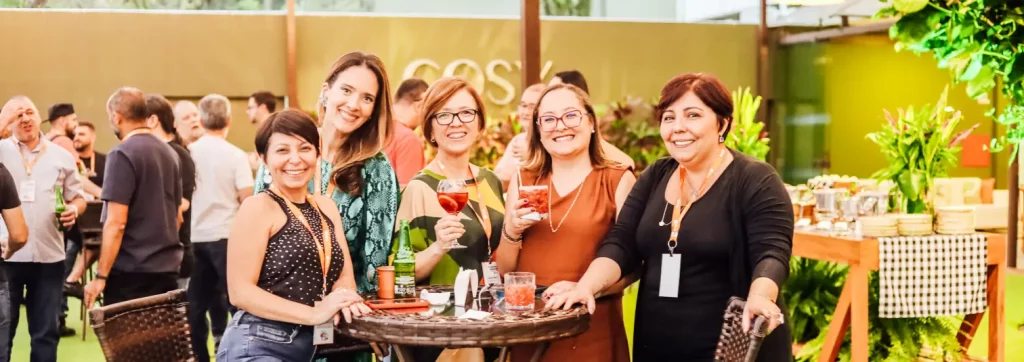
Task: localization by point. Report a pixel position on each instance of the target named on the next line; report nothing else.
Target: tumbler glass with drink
(453, 196)
(520, 289)
(536, 198)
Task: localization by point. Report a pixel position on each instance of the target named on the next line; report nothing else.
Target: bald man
(35, 274)
(187, 122)
(515, 153)
(141, 254)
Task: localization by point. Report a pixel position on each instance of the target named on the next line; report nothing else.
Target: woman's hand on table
(333, 303)
(516, 223)
(558, 288)
(447, 229)
(577, 295)
(758, 305)
(354, 307)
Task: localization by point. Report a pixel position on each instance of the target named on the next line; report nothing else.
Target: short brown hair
(538, 160)
(88, 125)
(708, 88)
(408, 88)
(265, 99)
(289, 122)
(575, 78)
(440, 93)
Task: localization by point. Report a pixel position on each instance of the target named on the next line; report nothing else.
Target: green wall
(832, 94)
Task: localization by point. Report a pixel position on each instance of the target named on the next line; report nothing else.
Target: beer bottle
(60, 207)
(405, 264)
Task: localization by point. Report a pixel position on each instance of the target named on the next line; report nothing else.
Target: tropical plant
(497, 134)
(630, 125)
(897, 339)
(979, 42)
(920, 146)
(566, 7)
(812, 291)
(747, 134)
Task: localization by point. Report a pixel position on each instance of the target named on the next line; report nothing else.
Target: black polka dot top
(291, 267)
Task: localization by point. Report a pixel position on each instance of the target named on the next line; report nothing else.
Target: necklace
(567, 211)
(662, 222)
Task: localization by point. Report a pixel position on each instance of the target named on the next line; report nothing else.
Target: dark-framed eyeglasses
(464, 116)
(570, 119)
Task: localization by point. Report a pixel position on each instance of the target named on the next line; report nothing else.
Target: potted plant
(630, 125)
(920, 146)
(747, 135)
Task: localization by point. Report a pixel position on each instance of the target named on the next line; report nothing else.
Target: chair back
(89, 221)
(733, 344)
(150, 329)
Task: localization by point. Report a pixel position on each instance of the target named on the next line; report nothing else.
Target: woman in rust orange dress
(585, 193)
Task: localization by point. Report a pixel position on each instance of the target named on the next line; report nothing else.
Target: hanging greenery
(747, 134)
(920, 146)
(980, 42)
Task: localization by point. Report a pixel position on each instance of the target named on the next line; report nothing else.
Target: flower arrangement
(920, 146)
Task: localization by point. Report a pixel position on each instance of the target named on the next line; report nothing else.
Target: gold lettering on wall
(495, 87)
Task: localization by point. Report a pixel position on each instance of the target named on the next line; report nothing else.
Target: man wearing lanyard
(141, 254)
(36, 272)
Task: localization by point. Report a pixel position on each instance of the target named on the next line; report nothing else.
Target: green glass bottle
(405, 264)
(60, 206)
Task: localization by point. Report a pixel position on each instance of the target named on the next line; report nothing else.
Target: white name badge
(491, 275)
(27, 191)
(323, 334)
(670, 269)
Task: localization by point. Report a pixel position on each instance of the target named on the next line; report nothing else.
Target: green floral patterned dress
(368, 219)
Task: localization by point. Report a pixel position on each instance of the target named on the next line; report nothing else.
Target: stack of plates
(954, 220)
(915, 224)
(878, 226)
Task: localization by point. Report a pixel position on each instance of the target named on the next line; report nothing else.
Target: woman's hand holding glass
(515, 223)
(447, 230)
(578, 294)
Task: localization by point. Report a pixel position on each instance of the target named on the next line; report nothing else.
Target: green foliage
(812, 292)
(566, 7)
(897, 340)
(920, 146)
(630, 125)
(497, 134)
(746, 135)
(978, 41)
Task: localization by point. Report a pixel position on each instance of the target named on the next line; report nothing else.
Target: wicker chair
(733, 344)
(150, 329)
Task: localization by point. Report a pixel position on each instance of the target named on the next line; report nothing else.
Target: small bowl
(436, 298)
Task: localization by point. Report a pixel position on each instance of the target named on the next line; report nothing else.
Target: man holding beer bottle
(40, 169)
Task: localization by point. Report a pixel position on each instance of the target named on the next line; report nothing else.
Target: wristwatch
(100, 276)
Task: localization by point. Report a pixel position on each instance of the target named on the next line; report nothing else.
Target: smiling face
(291, 161)
(350, 100)
(563, 122)
(456, 126)
(689, 128)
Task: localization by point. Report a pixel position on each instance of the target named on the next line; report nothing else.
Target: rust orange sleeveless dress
(566, 254)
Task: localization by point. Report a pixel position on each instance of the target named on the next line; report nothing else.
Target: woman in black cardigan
(735, 235)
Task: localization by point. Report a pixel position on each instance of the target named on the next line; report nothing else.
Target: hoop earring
(721, 138)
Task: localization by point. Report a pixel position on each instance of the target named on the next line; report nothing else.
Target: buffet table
(862, 255)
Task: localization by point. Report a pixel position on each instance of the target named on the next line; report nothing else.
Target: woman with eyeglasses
(585, 192)
(453, 121)
(702, 226)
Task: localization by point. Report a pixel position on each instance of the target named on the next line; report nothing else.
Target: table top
(864, 250)
(440, 326)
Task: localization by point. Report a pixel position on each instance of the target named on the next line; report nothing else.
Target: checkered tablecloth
(935, 275)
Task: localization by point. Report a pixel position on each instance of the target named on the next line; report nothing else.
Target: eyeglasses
(464, 116)
(570, 119)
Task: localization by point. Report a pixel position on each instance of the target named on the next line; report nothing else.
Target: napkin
(466, 286)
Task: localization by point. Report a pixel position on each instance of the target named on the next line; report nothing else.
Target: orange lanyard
(135, 132)
(30, 164)
(323, 247)
(678, 211)
(482, 215)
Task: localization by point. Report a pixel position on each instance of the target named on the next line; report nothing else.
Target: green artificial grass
(74, 349)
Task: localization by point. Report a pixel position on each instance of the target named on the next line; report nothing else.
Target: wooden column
(1014, 217)
(529, 34)
(291, 74)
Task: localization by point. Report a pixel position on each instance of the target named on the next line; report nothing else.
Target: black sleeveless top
(291, 267)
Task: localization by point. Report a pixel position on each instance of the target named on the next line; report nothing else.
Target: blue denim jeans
(39, 287)
(249, 338)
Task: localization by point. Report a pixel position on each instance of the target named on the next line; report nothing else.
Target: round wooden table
(440, 326)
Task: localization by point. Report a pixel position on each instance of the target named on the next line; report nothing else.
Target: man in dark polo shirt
(141, 254)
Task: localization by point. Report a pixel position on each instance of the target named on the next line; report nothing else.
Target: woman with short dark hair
(701, 226)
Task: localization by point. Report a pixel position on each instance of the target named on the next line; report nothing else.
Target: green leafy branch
(747, 134)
